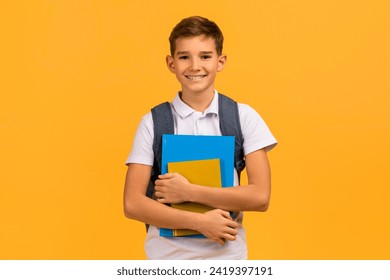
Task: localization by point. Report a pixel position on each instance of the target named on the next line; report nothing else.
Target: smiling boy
(195, 64)
(196, 58)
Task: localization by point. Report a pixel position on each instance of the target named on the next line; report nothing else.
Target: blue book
(176, 148)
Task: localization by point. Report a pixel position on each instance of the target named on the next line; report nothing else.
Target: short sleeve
(256, 133)
(142, 149)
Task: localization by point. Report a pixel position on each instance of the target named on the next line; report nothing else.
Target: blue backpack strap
(229, 123)
(163, 124)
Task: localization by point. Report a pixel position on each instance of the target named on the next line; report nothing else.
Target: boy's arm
(173, 188)
(216, 225)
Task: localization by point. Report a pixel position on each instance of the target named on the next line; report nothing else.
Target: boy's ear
(170, 64)
(221, 62)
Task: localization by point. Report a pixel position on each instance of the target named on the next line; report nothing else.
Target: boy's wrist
(196, 222)
(191, 193)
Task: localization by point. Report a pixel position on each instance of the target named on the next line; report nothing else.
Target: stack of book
(203, 160)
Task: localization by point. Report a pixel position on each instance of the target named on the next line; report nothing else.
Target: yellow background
(76, 77)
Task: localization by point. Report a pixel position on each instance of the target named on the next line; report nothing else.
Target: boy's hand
(172, 188)
(217, 225)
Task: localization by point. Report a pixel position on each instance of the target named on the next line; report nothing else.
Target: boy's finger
(233, 224)
(221, 241)
(231, 231)
(230, 237)
(166, 176)
(226, 214)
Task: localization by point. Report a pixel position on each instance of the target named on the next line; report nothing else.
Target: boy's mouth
(195, 77)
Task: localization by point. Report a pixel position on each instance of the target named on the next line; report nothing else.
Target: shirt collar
(184, 110)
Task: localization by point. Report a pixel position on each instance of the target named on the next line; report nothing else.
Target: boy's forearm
(239, 198)
(149, 211)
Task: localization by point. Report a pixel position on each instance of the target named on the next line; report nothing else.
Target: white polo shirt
(188, 121)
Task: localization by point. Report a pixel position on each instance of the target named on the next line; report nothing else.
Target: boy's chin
(197, 91)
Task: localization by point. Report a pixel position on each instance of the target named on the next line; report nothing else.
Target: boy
(196, 57)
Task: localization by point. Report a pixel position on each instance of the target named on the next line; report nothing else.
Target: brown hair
(195, 26)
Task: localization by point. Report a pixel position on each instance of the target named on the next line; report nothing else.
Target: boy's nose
(195, 65)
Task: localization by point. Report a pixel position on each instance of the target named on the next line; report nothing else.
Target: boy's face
(195, 64)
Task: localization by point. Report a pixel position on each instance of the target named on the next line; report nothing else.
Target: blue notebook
(177, 148)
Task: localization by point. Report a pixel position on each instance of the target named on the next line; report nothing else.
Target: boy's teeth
(195, 77)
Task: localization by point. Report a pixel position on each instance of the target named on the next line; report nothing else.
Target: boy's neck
(199, 102)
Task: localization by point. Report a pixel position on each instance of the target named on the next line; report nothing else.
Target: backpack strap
(229, 123)
(163, 124)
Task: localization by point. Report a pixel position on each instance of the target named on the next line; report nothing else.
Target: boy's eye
(183, 57)
(206, 56)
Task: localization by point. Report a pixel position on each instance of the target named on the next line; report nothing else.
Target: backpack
(229, 123)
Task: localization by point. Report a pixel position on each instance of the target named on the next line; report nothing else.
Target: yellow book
(201, 172)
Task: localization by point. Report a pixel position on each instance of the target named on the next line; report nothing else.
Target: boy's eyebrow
(182, 52)
(187, 52)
